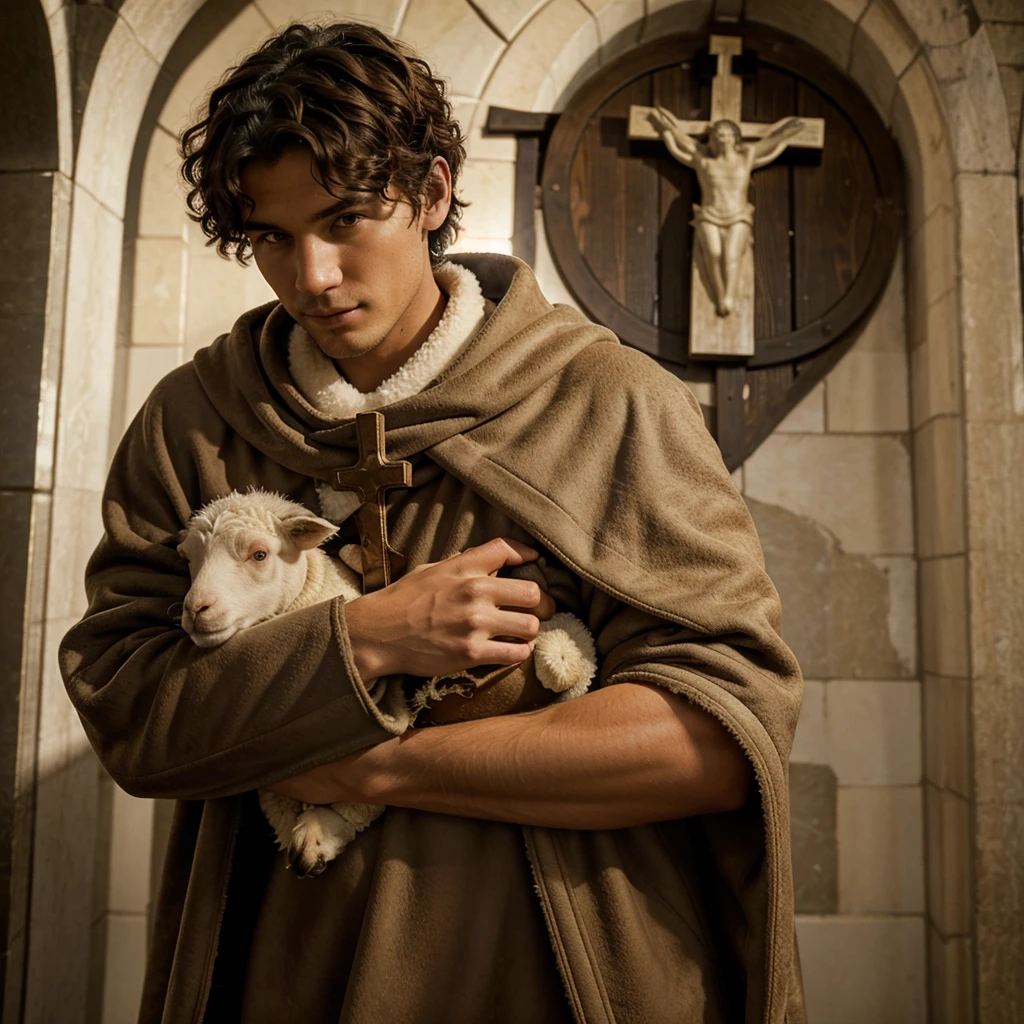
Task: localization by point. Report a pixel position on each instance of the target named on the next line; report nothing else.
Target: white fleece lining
(323, 386)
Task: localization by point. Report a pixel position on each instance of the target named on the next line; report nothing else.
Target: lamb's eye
(258, 556)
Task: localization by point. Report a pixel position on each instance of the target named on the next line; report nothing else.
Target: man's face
(347, 270)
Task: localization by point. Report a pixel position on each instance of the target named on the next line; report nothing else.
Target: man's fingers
(484, 559)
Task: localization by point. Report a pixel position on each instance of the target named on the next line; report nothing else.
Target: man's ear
(437, 194)
(309, 531)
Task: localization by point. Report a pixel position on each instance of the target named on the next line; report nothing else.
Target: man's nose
(318, 268)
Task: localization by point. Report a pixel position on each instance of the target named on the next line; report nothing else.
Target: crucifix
(370, 478)
(722, 276)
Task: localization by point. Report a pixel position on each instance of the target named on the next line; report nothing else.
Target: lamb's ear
(309, 531)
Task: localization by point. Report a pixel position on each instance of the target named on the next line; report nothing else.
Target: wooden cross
(370, 477)
(714, 334)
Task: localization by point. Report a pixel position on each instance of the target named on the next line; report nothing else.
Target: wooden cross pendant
(370, 477)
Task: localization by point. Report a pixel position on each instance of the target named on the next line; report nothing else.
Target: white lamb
(256, 555)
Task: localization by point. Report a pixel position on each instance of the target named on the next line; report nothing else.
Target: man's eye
(272, 237)
(258, 556)
(348, 220)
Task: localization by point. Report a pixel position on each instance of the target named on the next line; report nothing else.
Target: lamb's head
(247, 556)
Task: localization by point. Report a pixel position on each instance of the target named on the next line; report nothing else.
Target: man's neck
(367, 372)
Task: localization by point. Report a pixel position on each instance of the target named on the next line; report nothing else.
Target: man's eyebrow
(330, 211)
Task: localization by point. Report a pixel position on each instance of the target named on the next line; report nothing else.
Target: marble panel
(158, 291)
(385, 14)
(77, 529)
(935, 364)
(489, 186)
(667, 17)
(1000, 907)
(936, 22)
(61, 907)
(546, 270)
(919, 124)
(162, 199)
(999, 10)
(867, 732)
(943, 594)
(147, 365)
(130, 838)
(812, 821)
(867, 505)
(239, 37)
(158, 23)
(845, 616)
(947, 734)
(933, 256)
(60, 45)
(973, 95)
(886, 330)
(125, 967)
(94, 278)
(808, 417)
(827, 26)
(868, 393)
(948, 852)
(939, 487)
(997, 708)
(1012, 81)
(619, 24)
(950, 979)
(473, 243)
(881, 850)
(882, 50)
(59, 730)
(553, 45)
(863, 968)
(990, 293)
(110, 124)
(459, 45)
(509, 16)
(219, 291)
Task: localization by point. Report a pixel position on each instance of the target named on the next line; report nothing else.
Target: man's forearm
(624, 755)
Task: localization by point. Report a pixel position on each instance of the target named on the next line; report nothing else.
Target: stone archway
(963, 438)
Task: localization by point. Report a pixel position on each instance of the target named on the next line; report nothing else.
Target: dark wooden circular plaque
(826, 224)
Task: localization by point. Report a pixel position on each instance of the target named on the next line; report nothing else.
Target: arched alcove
(963, 371)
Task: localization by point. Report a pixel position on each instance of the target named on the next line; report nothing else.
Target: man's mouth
(334, 317)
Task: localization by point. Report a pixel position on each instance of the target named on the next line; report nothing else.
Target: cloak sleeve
(170, 719)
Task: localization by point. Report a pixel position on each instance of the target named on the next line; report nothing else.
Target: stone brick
(158, 292)
(886, 329)
(939, 487)
(863, 968)
(947, 733)
(868, 393)
(881, 850)
(827, 26)
(950, 979)
(935, 363)
(948, 853)
(867, 504)
(808, 417)
(489, 186)
(837, 608)
(882, 50)
(944, 616)
(812, 805)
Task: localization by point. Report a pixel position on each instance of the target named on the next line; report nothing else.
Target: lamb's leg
(282, 812)
(320, 834)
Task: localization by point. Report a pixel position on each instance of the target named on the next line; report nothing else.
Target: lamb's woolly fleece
(326, 390)
(255, 509)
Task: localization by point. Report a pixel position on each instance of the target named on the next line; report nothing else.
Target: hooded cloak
(544, 428)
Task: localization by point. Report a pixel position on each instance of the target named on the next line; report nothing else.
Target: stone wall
(886, 503)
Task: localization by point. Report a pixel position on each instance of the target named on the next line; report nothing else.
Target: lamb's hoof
(318, 837)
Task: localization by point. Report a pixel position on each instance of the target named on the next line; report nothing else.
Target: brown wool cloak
(545, 428)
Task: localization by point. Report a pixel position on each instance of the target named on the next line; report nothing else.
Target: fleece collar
(329, 393)
(323, 386)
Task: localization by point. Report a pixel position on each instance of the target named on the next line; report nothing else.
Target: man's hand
(444, 616)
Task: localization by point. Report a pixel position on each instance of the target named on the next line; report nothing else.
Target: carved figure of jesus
(723, 221)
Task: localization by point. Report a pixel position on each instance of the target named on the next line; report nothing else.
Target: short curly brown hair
(369, 110)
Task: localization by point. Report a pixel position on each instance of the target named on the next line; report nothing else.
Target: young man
(607, 858)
